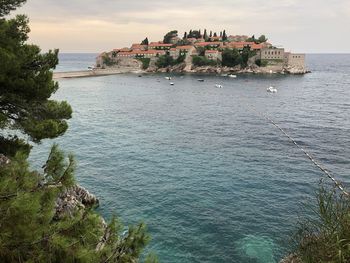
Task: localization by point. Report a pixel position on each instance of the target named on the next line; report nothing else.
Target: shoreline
(92, 73)
(108, 72)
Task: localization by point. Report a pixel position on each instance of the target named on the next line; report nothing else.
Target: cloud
(94, 25)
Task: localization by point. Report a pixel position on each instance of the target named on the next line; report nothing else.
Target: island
(198, 52)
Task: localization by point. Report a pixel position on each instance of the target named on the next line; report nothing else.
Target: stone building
(213, 55)
(272, 54)
(141, 54)
(159, 46)
(295, 60)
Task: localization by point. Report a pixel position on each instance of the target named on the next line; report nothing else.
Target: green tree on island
(145, 41)
(169, 36)
(32, 227)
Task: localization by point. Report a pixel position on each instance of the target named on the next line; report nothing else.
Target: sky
(310, 26)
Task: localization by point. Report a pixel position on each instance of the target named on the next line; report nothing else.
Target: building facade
(272, 54)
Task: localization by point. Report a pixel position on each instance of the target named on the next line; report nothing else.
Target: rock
(295, 70)
(73, 200)
(4, 160)
(292, 258)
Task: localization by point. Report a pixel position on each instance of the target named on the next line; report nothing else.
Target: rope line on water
(319, 166)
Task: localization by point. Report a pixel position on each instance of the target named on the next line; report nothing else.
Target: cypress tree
(211, 34)
(145, 41)
(224, 36)
(205, 36)
(185, 35)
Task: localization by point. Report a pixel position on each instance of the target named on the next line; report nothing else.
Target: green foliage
(203, 61)
(224, 36)
(145, 62)
(261, 39)
(325, 236)
(261, 63)
(108, 61)
(6, 6)
(169, 36)
(26, 85)
(194, 34)
(245, 55)
(145, 41)
(165, 61)
(11, 145)
(231, 58)
(201, 51)
(180, 59)
(32, 232)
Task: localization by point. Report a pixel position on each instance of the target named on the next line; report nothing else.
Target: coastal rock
(4, 160)
(74, 199)
(295, 70)
(292, 258)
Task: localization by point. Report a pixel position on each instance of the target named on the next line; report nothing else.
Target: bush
(180, 59)
(145, 62)
(261, 63)
(108, 61)
(203, 61)
(231, 58)
(325, 237)
(165, 61)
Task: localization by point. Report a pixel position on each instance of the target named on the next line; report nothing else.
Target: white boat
(223, 75)
(168, 78)
(232, 76)
(218, 86)
(172, 83)
(271, 89)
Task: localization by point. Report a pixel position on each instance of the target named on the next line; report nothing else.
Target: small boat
(218, 86)
(168, 78)
(172, 83)
(271, 89)
(232, 76)
(140, 76)
(224, 75)
(200, 80)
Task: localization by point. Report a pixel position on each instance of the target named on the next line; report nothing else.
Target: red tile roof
(157, 44)
(184, 47)
(204, 44)
(240, 45)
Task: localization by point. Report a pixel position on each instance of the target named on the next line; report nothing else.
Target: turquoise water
(213, 181)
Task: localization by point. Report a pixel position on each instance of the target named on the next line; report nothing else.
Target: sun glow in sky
(315, 26)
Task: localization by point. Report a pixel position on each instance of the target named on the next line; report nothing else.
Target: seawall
(93, 73)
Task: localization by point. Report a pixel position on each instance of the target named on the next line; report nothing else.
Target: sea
(213, 179)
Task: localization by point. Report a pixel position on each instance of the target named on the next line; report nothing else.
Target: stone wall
(296, 60)
(272, 54)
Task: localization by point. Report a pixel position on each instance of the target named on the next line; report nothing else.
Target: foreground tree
(26, 85)
(40, 220)
(34, 229)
